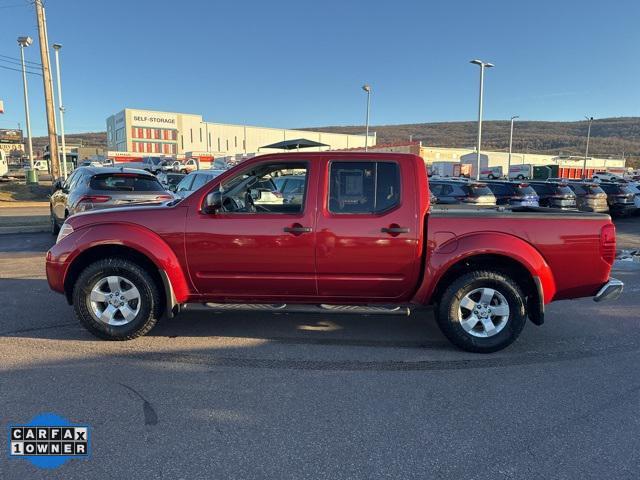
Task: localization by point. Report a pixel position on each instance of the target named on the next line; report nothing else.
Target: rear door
(368, 231)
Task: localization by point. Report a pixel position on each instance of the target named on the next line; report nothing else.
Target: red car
(363, 239)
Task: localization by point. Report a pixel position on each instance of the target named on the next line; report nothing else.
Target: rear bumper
(609, 291)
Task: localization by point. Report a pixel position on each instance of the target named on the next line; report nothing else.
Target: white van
(4, 166)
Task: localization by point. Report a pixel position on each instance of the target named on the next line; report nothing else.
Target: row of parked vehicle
(616, 198)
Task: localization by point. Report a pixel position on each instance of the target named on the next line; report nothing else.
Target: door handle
(394, 230)
(297, 229)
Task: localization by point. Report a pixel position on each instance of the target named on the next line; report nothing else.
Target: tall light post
(482, 65)
(23, 42)
(367, 88)
(511, 144)
(586, 151)
(57, 47)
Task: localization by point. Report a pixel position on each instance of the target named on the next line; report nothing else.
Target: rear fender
(444, 257)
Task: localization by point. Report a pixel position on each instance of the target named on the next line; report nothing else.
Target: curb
(25, 229)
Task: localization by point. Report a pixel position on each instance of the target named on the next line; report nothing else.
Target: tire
(55, 228)
(471, 286)
(144, 311)
(491, 177)
(520, 177)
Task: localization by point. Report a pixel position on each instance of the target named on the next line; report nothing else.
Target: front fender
(442, 257)
(148, 243)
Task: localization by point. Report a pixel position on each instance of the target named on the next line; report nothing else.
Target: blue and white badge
(49, 440)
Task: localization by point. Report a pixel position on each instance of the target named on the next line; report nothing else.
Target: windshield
(525, 190)
(125, 182)
(479, 189)
(563, 190)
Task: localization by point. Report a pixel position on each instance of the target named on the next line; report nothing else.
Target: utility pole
(482, 66)
(48, 90)
(511, 144)
(367, 88)
(32, 174)
(57, 47)
(586, 151)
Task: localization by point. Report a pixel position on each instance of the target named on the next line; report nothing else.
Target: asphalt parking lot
(257, 395)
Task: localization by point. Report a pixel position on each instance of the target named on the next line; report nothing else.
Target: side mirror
(173, 188)
(255, 193)
(212, 202)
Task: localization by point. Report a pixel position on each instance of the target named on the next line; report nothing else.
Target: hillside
(609, 136)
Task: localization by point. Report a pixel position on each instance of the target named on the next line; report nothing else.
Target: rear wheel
(55, 228)
(116, 299)
(482, 311)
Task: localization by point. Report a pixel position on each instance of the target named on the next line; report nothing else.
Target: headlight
(65, 231)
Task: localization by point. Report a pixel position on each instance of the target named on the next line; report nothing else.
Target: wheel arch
(491, 251)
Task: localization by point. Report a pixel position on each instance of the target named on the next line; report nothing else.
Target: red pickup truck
(359, 236)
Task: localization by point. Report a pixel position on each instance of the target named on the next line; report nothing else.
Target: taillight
(608, 243)
(163, 198)
(94, 199)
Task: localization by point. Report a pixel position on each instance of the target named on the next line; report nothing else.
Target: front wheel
(482, 311)
(55, 228)
(116, 299)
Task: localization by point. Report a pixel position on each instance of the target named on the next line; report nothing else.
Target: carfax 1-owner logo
(49, 440)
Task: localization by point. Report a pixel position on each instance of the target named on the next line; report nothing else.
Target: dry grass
(20, 192)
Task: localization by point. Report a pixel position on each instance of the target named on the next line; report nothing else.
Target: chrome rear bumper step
(322, 308)
(609, 291)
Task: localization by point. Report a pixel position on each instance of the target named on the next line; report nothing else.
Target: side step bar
(303, 308)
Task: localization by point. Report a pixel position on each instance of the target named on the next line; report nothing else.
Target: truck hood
(127, 214)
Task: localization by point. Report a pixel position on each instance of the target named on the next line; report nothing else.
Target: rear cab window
(125, 182)
(363, 187)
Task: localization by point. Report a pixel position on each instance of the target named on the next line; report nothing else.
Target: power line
(18, 70)
(17, 59)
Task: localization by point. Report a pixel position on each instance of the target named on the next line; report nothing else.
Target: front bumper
(609, 291)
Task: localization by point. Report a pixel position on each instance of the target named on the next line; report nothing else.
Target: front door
(258, 247)
(368, 240)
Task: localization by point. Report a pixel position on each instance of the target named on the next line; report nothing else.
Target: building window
(219, 144)
(182, 141)
(191, 132)
(201, 135)
(235, 140)
(209, 138)
(133, 132)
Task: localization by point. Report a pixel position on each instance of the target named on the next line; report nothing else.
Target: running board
(303, 308)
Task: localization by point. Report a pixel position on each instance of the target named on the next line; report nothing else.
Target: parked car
(90, 188)
(606, 177)
(169, 179)
(150, 164)
(291, 187)
(517, 194)
(193, 181)
(457, 191)
(620, 197)
(555, 195)
(635, 187)
(364, 240)
(590, 197)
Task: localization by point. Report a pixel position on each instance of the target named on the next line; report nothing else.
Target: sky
(300, 63)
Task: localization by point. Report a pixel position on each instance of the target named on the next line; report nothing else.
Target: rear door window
(363, 187)
(125, 182)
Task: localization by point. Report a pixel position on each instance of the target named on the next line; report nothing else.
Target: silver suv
(90, 188)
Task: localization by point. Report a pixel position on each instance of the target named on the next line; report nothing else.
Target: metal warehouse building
(165, 133)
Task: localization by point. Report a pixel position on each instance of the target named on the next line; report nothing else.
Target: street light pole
(586, 151)
(32, 175)
(482, 65)
(367, 88)
(57, 47)
(510, 144)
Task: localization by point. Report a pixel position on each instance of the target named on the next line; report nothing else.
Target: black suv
(555, 195)
(517, 194)
(619, 197)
